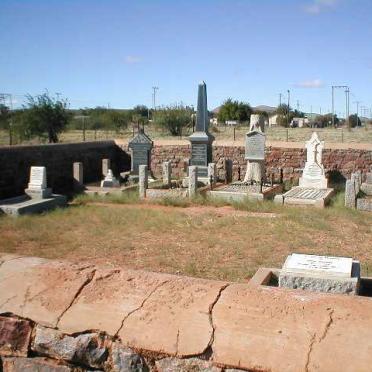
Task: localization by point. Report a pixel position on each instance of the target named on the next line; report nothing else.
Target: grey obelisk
(201, 140)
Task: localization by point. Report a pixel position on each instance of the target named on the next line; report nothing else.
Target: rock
(14, 336)
(185, 365)
(35, 364)
(87, 349)
(124, 359)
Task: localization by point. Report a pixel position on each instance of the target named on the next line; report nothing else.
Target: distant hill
(268, 109)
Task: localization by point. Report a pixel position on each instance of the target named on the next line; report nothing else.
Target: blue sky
(112, 52)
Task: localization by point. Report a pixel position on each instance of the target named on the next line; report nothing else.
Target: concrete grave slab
(163, 323)
(40, 290)
(109, 298)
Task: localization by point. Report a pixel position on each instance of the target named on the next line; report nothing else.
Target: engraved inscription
(255, 146)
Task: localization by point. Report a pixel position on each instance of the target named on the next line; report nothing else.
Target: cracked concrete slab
(265, 328)
(39, 289)
(109, 298)
(347, 337)
(175, 319)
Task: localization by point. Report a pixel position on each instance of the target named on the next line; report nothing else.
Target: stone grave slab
(37, 186)
(320, 273)
(307, 196)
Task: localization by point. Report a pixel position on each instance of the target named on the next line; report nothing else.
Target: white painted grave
(313, 174)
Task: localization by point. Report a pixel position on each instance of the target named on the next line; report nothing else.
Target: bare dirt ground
(201, 241)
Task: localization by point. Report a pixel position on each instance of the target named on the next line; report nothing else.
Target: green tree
(354, 121)
(4, 117)
(44, 116)
(173, 119)
(322, 121)
(234, 110)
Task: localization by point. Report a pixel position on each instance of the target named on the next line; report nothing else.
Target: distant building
(273, 120)
(299, 122)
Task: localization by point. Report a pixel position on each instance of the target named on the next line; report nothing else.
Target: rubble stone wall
(340, 163)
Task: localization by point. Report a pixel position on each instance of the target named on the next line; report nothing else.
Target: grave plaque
(320, 273)
(255, 146)
(199, 155)
(302, 263)
(140, 147)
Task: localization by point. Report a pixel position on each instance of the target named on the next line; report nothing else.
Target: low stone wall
(57, 316)
(338, 162)
(15, 163)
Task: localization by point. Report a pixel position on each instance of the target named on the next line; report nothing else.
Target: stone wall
(338, 162)
(15, 163)
(27, 346)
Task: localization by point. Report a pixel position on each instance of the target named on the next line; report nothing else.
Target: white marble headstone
(313, 174)
(321, 265)
(38, 179)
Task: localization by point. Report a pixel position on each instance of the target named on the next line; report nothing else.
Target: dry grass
(203, 241)
(356, 135)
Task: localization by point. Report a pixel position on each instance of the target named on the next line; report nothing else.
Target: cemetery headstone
(228, 171)
(320, 273)
(140, 147)
(110, 180)
(78, 175)
(37, 187)
(193, 180)
(366, 187)
(350, 194)
(212, 173)
(167, 173)
(143, 180)
(201, 140)
(313, 174)
(106, 165)
(255, 151)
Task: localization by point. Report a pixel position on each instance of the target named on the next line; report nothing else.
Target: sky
(111, 53)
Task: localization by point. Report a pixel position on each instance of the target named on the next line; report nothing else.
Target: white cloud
(316, 83)
(317, 6)
(132, 59)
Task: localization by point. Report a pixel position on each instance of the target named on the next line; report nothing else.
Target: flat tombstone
(255, 146)
(303, 263)
(140, 147)
(320, 273)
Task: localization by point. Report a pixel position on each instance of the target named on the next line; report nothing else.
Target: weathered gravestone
(140, 147)
(38, 196)
(255, 151)
(320, 273)
(313, 174)
(167, 173)
(201, 140)
(313, 185)
(37, 187)
(110, 180)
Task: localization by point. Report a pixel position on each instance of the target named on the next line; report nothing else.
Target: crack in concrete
(312, 341)
(86, 282)
(211, 307)
(141, 305)
(320, 339)
(328, 325)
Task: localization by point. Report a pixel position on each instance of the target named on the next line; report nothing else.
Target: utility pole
(280, 99)
(154, 89)
(289, 96)
(357, 111)
(333, 100)
(298, 105)
(347, 94)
